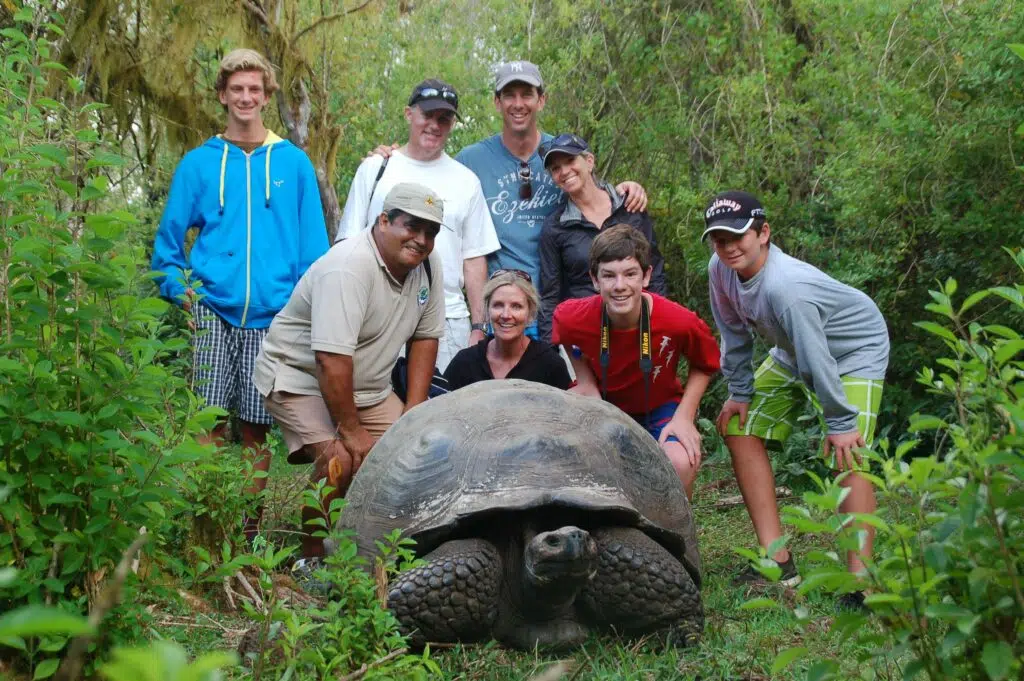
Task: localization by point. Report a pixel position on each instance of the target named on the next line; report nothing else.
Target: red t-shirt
(676, 333)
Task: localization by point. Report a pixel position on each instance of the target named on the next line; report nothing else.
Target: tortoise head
(565, 554)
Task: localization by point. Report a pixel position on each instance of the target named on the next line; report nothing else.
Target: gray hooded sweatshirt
(821, 330)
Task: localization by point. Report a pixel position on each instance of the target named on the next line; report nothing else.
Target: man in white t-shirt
(468, 234)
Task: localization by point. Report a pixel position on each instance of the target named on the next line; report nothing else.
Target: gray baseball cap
(416, 200)
(521, 71)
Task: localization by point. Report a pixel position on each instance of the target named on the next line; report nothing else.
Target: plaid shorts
(780, 398)
(225, 357)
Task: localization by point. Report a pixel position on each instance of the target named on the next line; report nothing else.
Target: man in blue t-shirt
(519, 192)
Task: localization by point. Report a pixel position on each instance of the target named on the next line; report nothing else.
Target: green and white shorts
(780, 398)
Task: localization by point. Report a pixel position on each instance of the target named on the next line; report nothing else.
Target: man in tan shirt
(325, 366)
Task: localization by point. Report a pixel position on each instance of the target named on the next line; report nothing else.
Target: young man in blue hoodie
(254, 199)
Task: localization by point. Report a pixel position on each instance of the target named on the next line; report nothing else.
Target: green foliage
(96, 416)
(945, 583)
(160, 662)
(34, 620)
(350, 630)
(164, 662)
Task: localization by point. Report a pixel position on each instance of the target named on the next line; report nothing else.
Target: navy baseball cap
(566, 143)
(732, 211)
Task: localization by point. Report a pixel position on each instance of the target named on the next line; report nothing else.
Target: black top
(565, 254)
(541, 362)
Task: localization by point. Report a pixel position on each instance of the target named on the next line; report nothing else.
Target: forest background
(884, 137)
(881, 136)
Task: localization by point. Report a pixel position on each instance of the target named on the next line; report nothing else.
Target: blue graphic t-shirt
(517, 222)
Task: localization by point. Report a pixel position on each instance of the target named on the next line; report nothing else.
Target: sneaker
(852, 602)
(304, 572)
(750, 575)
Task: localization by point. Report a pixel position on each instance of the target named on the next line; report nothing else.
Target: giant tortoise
(541, 516)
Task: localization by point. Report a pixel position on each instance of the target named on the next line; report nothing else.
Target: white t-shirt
(468, 230)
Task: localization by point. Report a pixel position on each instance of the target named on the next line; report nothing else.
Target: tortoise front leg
(454, 597)
(641, 588)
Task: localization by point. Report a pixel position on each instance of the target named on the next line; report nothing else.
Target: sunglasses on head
(525, 181)
(564, 140)
(522, 274)
(444, 93)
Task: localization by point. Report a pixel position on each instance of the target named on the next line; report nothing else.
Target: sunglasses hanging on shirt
(525, 181)
(646, 363)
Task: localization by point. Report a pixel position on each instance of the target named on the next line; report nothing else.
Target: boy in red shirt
(645, 337)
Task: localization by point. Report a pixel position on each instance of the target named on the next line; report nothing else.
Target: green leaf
(1017, 48)
(759, 604)
(1002, 331)
(878, 599)
(920, 422)
(62, 499)
(1011, 294)
(1007, 350)
(103, 159)
(37, 620)
(973, 300)
(912, 669)
(820, 671)
(51, 152)
(787, 657)
(946, 611)
(46, 668)
(14, 34)
(13, 642)
(937, 330)
(935, 557)
(997, 657)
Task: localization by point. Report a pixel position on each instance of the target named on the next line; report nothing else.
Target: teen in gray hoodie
(830, 346)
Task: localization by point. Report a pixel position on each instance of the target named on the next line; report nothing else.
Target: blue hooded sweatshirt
(260, 225)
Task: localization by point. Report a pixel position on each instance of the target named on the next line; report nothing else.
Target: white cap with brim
(734, 226)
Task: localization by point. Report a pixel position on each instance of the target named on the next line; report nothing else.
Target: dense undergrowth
(110, 506)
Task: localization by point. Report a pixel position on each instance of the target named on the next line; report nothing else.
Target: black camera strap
(646, 363)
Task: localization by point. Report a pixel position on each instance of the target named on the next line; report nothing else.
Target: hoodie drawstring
(270, 148)
(223, 171)
(223, 168)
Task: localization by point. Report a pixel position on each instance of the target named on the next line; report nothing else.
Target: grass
(738, 643)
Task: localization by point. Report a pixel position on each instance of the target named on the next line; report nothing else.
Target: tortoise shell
(506, 446)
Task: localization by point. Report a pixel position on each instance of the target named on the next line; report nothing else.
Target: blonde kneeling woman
(511, 303)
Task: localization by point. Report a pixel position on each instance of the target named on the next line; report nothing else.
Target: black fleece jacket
(565, 254)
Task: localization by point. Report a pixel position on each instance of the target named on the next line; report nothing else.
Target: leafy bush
(349, 631)
(96, 415)
(946, 583)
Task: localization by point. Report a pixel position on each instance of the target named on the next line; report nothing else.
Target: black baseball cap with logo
(433, 94)
(732, 211)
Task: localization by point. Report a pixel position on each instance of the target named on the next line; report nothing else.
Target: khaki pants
(311, 437)
(305, 421)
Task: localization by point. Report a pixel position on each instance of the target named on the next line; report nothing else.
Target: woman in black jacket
(589, 206)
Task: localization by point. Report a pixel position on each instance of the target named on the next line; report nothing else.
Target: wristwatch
(478, 326)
